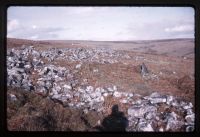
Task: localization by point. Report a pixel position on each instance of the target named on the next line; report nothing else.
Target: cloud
(34, 26)
(181, 28)
(100, 23)
(36, 32)
(44, 30)
(12, 25)
(83, 10)
(34, 37)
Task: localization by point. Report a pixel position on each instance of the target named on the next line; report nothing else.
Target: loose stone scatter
(27, 69)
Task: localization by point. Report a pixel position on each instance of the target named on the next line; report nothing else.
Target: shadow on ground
(116, 121)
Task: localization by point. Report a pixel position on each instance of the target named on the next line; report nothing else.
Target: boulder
(12, 97)
(156, 100)
(67, 87)
(146, 128)
(144, 69)
(89, 89)
(36, 54)
(48, 84)
(190, 119)
(189, 129)
(117, 94)
(188, 106)
(95, 95)
(41, 83)
(124, 101)
(105, 94)
(143, 125)
(78, 66)
(150, 115)
(172, 123)
(110, 89)
(189, 111)
(169, 100)
(137, 111)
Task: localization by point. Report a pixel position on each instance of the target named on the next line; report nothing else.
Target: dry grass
(35, 113)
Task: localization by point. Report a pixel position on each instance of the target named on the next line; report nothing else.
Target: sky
(100, 23)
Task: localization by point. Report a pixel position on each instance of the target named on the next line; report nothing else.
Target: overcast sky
(100, 23)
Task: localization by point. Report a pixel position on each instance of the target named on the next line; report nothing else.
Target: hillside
(146, 85)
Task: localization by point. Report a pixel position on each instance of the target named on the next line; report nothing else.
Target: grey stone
(144, 69)
(169, 100)
(28, 87)
(86, 98)
(155, 95)
(48, 84)
(161, 129)
(95, 70)
(115, 88)
(136, 111)
(70, 104)
(78, 66)
(142, 125)
(175, 103)
(130, 95)
(105, 94)
(189, 111)
(36, 54)
(77, 94)
(156, 100)
(36, 62)
(56, 89)
(27, 66)
(117, 94)
(124, 94)
(150, 115)
(19, 70)
(189, 129)
(81, 90)
(65, 97)
(99, 90)
(110, 89)
(190, 119)
(67, 87)
(89, 89)
(12, 97)
(41, 90)
(56, 96)
(172, 122)
(57, 78)
(99, 99)
(85, 110)
(10, 59)
(95, 95)
(188, 106)
(41, 83)
(146, 128)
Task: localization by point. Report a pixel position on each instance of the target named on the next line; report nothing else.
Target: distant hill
(170, 47)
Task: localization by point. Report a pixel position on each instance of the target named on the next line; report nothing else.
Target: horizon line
(99, 40)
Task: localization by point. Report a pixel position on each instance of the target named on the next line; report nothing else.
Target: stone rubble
(147, 113)
(12, 97)
(59, 83)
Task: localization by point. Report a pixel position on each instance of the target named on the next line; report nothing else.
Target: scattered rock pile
(145, 114)
(58, 83)
(99, 55)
